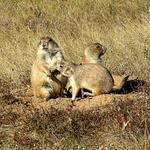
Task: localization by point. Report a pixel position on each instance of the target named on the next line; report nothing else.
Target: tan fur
(93, 77)
(92, 54)
(45, 79)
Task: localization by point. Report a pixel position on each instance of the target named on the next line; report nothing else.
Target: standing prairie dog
(93, 77)
(93, 54)
(45, 79)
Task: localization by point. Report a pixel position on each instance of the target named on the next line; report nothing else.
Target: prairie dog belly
(52, 59)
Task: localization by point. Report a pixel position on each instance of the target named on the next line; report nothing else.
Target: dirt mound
(103, 120)
(132, 90)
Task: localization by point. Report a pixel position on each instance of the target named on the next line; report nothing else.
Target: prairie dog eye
(97, 46)
(61, 66)
(50, 40)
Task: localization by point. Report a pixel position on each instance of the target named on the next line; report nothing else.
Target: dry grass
(121, 25)
(120, 125)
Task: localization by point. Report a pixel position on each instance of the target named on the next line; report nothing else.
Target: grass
(119, 125)
(121, 26)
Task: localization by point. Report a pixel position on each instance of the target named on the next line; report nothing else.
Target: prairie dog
(93, 54)
(93, 77)
(45, 79)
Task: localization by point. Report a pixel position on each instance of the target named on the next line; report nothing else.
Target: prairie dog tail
(119, 82)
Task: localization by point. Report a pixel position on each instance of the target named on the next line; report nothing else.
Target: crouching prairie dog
(93, 77)
(46, 81)
(93, 54)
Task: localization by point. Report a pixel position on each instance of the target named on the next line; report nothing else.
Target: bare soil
(89, 123)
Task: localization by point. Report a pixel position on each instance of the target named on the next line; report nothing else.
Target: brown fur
(45, 79)
(92, 54)
(93, 77)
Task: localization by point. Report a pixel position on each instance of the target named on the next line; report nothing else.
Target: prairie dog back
(93, 77)
(89, 71)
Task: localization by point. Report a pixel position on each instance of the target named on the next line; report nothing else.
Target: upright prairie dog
(93, 77)
(46, 81)
(93, 54)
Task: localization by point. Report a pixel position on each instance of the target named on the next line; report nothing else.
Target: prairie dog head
(66, 68)
(47, 44)
(94, 52)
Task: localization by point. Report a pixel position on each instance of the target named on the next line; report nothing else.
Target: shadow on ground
(134, 86)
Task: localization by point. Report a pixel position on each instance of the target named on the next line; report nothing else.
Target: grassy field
(123, 26)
